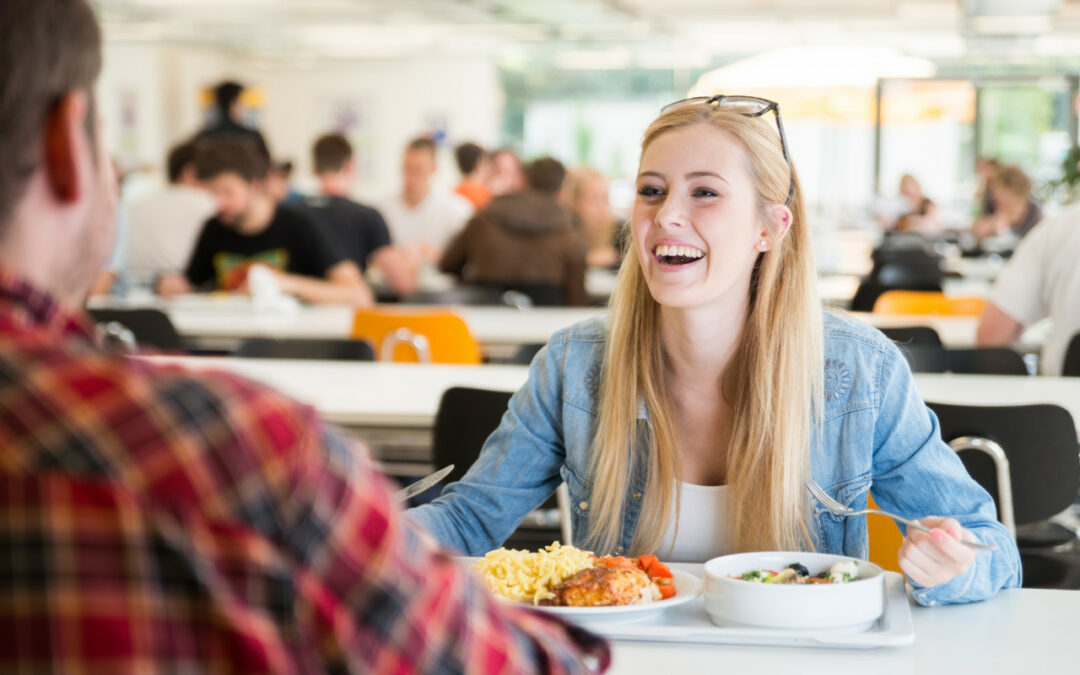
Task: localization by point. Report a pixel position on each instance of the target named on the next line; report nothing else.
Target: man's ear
(777, 225)
(64, 134)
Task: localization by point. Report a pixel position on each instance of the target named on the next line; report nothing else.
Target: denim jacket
(878, 437)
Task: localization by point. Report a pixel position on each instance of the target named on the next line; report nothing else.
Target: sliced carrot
(659, 569)
(647, 561)
(667, 592)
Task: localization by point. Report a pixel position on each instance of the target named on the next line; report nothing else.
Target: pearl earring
(764, 244)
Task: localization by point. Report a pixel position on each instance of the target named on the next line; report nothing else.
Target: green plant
(1067, 188)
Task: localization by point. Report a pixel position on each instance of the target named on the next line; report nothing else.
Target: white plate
(687, 587)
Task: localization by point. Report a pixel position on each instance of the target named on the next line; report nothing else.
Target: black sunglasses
(751, 106)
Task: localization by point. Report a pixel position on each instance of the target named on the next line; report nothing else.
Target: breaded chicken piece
(597, 587)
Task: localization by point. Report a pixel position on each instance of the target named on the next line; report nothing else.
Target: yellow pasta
(529, 577)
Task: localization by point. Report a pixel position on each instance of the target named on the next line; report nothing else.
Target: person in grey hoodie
(524, 241)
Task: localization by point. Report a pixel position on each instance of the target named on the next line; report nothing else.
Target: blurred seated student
(279, 184)
(1041, 279)
(475, 167)
(164, 224)
(228, 116)
(155, 520)
(358, 230)
(985, 169)
(506, 172)
(251, 228)
(920, 215)
(1015, 211)
(524, 240)
(686, 421)
(422, 216)
(586, 194)
(113, 279)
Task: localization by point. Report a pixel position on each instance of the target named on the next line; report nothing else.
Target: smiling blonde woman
(686, 422)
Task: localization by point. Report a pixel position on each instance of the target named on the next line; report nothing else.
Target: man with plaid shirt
(152, 520)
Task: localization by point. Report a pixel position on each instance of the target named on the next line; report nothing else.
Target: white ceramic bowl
(854, 605)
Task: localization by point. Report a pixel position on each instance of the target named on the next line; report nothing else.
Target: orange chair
(411, 336)
(885, 539)
(927, 302)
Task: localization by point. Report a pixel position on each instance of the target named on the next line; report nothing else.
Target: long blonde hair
(773, 383)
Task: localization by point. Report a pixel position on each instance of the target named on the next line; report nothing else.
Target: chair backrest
(447, 336)
(151, 327)
(1041, 445)
(923, 336)
(329, 349)
(927, 302)
(1072, 357)
(464, 420)
(977, 361)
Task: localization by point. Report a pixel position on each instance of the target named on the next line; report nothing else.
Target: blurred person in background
(475, 167)
(358, 230)
(228, 117)
(586, 194)
(251, 228)
(985, 169)
(279, 184)
(1041, 279)
(113, 277)
(1015, 211)
(506, 173)
(524, 241)
(156, 520)
(920, 215)
(163, 225)
(421, 216)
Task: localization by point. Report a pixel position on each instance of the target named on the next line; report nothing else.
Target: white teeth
(665, 250)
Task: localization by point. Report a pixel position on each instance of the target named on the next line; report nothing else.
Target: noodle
(529, 577)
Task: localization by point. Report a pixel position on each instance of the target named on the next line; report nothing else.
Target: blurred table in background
(392, 405)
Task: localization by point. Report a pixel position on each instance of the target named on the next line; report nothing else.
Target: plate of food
(584, 587)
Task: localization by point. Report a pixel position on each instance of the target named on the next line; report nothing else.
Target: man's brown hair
(230, 154)
(48, 48)
(468, 155)
(331, 152)
(1013, 179)
(545, 175)
(422, 143)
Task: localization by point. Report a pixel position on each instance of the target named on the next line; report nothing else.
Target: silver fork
(839, 509)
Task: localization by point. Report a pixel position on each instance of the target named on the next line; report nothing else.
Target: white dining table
(221, 322)
(361, 394)
(1016, 631)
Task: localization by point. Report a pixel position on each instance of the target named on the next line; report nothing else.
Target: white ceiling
(649, 33)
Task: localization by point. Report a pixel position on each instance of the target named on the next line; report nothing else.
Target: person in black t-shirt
(359, 230)
(250, 228)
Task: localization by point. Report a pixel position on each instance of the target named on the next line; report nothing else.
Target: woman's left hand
(933, 558)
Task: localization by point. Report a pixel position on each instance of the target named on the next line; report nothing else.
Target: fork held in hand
(839, 509)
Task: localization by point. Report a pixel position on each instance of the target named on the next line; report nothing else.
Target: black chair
(464, 420)
(903, 265)
(1072, 358)
(978, 361)
(923, 336)
(149, 327)
(329, 350)
(1040, 445)
(526, 353)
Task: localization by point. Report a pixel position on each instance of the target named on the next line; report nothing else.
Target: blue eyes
(648, 191)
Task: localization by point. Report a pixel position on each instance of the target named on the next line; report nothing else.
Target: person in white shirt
(162, 227)
(423, 218)
(1042, 279)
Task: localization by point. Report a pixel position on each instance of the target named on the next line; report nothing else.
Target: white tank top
(702, 533)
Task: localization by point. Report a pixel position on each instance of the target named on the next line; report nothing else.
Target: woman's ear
(778, 223)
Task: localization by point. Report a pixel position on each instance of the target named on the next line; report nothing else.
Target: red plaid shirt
(155, 521)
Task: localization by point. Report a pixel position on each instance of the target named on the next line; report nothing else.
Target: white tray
(690, 623)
